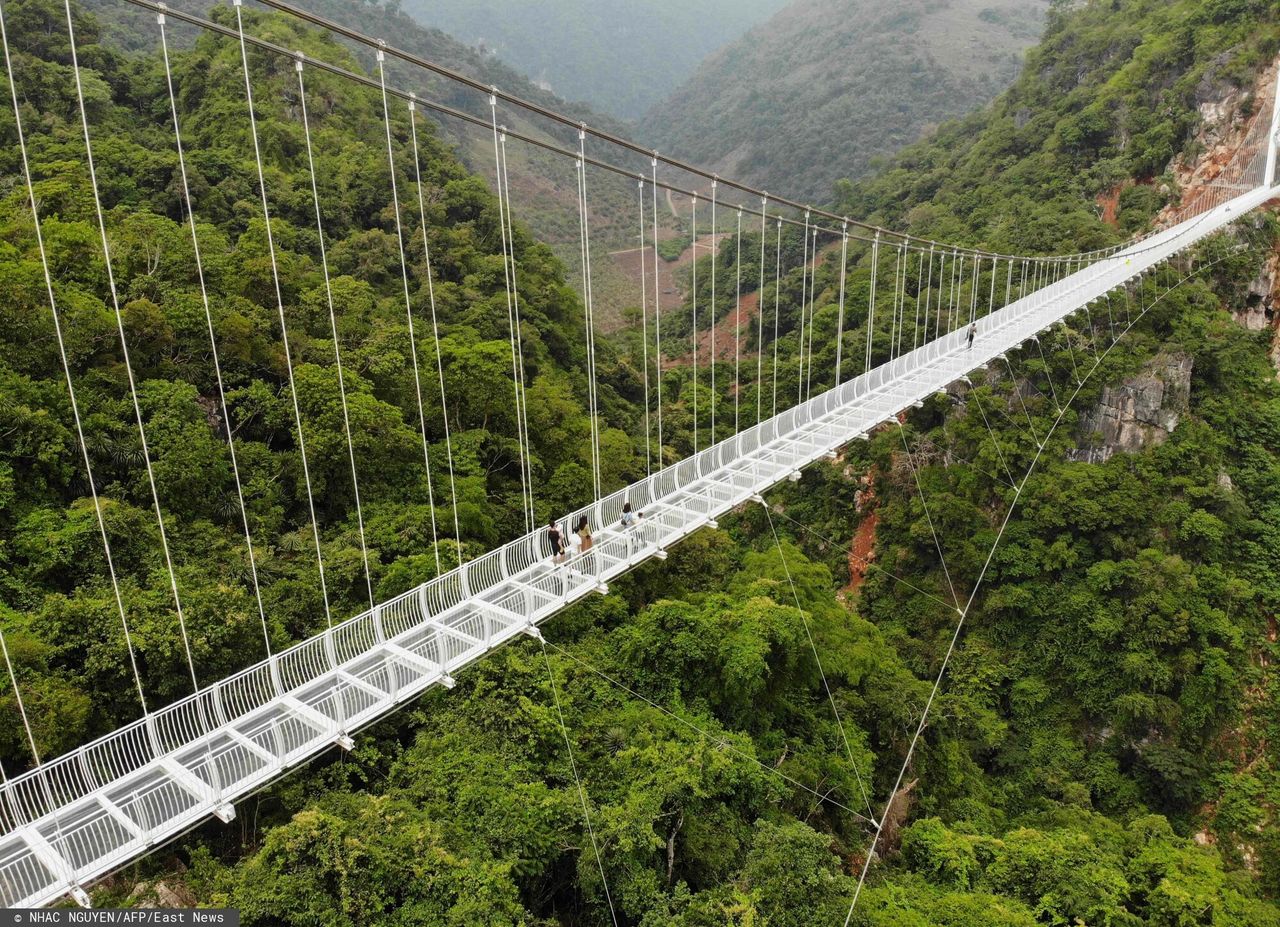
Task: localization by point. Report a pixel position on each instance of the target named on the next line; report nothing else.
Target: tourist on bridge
(556, 539)
(973, 330)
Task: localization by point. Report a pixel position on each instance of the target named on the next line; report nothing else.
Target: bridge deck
(90, 811)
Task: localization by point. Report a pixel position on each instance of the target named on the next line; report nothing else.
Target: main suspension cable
(566, 121)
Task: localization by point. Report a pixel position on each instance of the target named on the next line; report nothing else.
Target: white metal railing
(82, 814)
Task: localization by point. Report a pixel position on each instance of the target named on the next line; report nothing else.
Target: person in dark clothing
(973, 330)
(555, 539)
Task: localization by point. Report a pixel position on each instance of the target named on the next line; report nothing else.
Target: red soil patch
(1109, 203)
(862, 550)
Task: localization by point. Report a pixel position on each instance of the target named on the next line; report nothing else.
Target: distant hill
(621, 56)
(826, 86)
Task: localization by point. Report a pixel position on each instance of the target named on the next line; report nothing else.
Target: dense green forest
(51, 562)
(824, 89)
(620, 57)
(1103, 751)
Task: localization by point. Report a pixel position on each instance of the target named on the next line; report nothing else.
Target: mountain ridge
(824, 88)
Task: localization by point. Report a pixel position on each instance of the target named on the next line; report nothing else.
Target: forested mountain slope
(545, 202)
(621, 56)
(1104, 749)
(1106, 102)
(56, 599)
(826, 86)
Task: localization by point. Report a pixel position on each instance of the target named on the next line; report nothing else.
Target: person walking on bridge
(556, 539)
(973, 330)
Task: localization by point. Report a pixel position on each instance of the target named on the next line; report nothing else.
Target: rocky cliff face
(1140, 412)
(1223, 142)
(1261, 309)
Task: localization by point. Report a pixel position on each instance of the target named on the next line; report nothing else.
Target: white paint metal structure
(77, 817)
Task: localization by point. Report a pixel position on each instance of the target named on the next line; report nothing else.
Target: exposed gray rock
(1259, 302)
(160, 894)
(1139, 413)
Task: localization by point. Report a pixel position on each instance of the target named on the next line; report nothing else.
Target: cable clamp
(237, 2)
(297, 61)
(582, 131)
